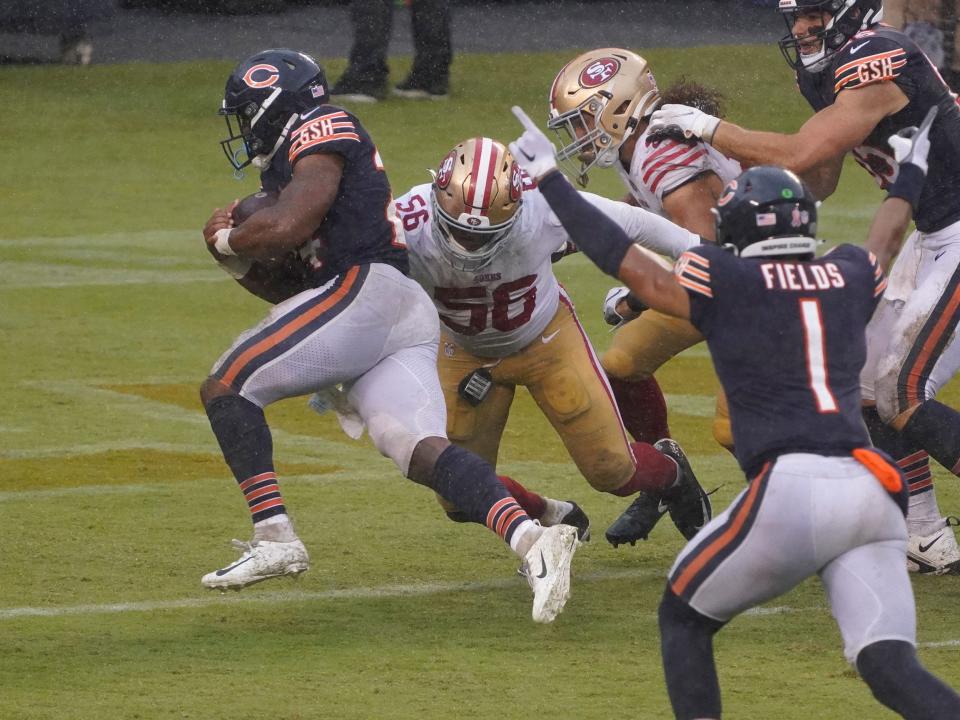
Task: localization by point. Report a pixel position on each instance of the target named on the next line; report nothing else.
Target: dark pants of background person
(372, 22)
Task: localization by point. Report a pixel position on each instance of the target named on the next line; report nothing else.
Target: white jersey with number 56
(503, 307)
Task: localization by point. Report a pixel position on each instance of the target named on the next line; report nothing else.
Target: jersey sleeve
(645, 228)
(694, 271)
(669, 164)
(332, 130)
(868, 59)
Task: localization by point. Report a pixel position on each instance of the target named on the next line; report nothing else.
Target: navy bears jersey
(788, 343)
(885, 54)
(361, 225)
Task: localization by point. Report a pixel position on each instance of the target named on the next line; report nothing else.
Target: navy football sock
(912, 459)
(686, 645)
(899, 681)
(471, 485)
(247, 446)
(936, 428)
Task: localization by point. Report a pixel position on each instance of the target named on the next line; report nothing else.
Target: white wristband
(222, 245)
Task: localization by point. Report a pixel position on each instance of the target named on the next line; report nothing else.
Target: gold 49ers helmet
(477, 196)
(596, 102)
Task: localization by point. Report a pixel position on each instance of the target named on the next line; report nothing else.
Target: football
(277, 279)
(252, 203)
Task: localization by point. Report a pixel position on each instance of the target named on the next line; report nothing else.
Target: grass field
(114, 499)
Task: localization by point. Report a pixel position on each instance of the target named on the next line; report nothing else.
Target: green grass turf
(114, 499)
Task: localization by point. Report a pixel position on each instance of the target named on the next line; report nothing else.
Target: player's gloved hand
(675, 120)
(614, 312)
(533, 150)
(912, 144)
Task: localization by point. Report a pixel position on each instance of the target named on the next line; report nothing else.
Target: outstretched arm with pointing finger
(595, 234)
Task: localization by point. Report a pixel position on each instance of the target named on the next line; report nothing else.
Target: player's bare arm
(888, 229)
(301, 208)
(689, 205)
(827, 135)
(653, 284)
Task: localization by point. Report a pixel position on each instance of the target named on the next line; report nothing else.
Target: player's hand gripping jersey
(780, 336)
(884, 54)
(361, 226)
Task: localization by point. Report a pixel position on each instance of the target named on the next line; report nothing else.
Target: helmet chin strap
(262, 162)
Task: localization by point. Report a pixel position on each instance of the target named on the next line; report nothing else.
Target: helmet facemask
(476, 200)
(840, 21)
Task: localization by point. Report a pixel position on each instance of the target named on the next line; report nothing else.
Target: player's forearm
(754, 147)
(888, 229)
(267, 234)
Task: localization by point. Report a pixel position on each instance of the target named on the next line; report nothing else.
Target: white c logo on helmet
(269, 80)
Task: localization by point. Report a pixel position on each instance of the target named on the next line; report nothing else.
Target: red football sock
(535, 505)
(642, 408)
(655, 472)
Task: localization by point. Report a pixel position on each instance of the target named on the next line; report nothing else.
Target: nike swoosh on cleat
(543, 566)
(662, 507)
(857, 47)
(923, 548)
(547, 338)
(225, 570)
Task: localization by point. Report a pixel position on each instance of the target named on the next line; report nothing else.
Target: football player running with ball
(481, 245)
(600, 105)
(795, 409)
(866, 81)
(360, 322)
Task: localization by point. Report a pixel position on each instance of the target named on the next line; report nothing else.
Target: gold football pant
(644, 344)
(563, 375)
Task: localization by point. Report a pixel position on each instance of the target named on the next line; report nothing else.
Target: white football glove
(533, 151)
(912, 144)
(676, 119)
(610, 314)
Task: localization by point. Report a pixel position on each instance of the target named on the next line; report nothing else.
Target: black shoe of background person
(636, 522)
(417, 87)
(689, 505)
(351, 88)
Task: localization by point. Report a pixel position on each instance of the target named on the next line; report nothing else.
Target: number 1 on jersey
(816, 352)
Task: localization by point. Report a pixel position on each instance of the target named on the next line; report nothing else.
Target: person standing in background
(365, 79)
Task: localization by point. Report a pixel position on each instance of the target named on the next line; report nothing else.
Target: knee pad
(618, 363)
(564, 392)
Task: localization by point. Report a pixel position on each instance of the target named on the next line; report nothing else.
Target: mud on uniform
(643, 345)
(912, 344)
(362, 322)
(788, 343)
(513, 319)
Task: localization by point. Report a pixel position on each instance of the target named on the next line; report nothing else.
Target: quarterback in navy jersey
(362, 334)
(866, 81)
(787, 336)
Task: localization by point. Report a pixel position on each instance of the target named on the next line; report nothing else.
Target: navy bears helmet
(847, 18)
(263, 96)
(767, 211)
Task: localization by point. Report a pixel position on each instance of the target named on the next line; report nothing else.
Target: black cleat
(689, 506)
(578, 518)
(636, 522)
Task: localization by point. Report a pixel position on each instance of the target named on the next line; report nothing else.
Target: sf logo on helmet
(599, 72)
(516, 182)
(445, 171)
(261, 76)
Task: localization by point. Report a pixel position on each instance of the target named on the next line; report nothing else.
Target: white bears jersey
(500, 309)
(659, 167)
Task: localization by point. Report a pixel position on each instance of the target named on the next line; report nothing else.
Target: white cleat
(547, 568)
(261, 560)
(936, 553)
